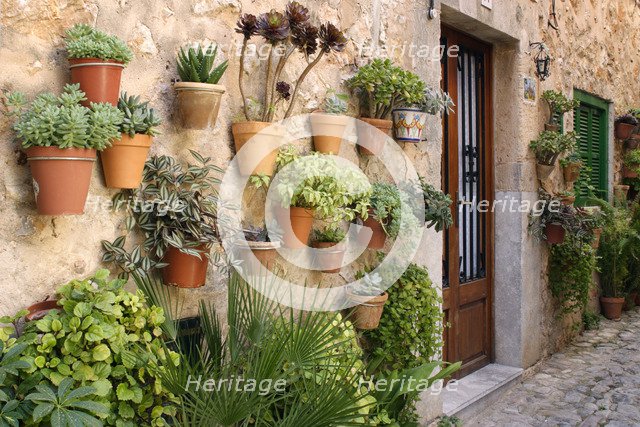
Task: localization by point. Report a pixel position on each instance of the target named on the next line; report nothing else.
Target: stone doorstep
(478, 390)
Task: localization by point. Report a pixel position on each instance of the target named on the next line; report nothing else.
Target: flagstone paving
(593, 382)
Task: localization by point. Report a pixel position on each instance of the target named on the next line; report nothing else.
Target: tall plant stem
(299, 82)
(265, 114)
(245, 109)
(276, 76)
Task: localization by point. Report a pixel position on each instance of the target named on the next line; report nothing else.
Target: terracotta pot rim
(259, 246)
(416, 109)
(336, 247)
(34, 309)
(377, 122)
(94, 62)
(621, 187)
(200, 87)
(138, 140)
(268, 128)
(57, 153)
(298, 211)
(368, 300)
(614, 300)
(321, 116)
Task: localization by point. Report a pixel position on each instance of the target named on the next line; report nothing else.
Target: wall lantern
(542, 60)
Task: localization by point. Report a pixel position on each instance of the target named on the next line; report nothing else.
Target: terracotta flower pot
(409, 124)
(629, 173)
(265, 252)
(551, 128)
(184, 270)
(597, 233)
(554, 233)
(326, 129)
(633, 143)
(39, 310)
(198, 104)
(99, 79)
(123, 162)
(371, 140)
(329, 260)
(612, 307)
(61, 178)
(571, 172)
(630, 301)
(568, 200)
(267, 135)
(366, 315)
(620, 192)
(624, 130)
(378, 238)
(544, 171)
(301, 223)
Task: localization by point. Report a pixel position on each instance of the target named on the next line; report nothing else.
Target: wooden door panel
(471, 326)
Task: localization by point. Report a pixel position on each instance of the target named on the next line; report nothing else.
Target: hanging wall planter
(366, 315)
(409, 124)
(378, 236)
(185, 270)
(265, 134)
(301, 224)
(571, 171)
(544, 171)
(621, 191)
(625, 125)
(328, 126)
(329, 260)
(554, 233)
(38, 310)
(265, 254)
(372, 135)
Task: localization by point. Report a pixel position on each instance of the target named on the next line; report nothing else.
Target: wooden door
(467, 167)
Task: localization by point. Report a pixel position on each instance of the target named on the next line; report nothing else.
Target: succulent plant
(335, 103)
(138, 117)
(247, 25)
(550, 145)
(273, 26)
(331, 38)
(436, 101)
(196, 65)
(84, 41)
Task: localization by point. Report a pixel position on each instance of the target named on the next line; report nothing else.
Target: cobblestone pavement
(593, 382)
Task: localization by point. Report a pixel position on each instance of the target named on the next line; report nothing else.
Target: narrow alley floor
(593, 382)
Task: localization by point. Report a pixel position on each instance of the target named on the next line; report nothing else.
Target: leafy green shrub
(383, 86)
(550, 145)
(84, 41)
(386, 207)
(60, 121)
(138, 116)
(571, 268)
(437, 204)
(558, 105)
(196, 65)
(105, 338)
(590, 320)
(632, 160)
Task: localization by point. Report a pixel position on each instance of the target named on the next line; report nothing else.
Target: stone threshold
(478, 390)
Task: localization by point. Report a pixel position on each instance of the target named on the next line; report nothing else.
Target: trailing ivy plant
(60, 121)
(196, 65)
(138, 118)
(550, 145)
(558, 105)
(84, 41)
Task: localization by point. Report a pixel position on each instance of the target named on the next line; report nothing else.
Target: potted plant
(409, 122)
(625, 125)
(620, 192)
(96, 60)
(370, 301)
(571, 166)
(327, 191)
(123, 162)
(631, 164)
(555, 220)
(548, 147)
(383, 215)
(61, 137)
(437, 206)
(261, 246)
(567, 197)
(287, 32)
(175, 208)
(329, 125)
(40, 309)
(199, 94)
(329, 239)
(558, 106)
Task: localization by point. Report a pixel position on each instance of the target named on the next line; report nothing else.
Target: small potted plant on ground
(371, 300)
(123, 162)
(175, 208)
(571, 166)
(409, 122)
(96, 61)
(329, 239)
(287, 33)
(383, 216)
(329, 125)
(199, 94)
(631, 164)
(558, 106)
(625, 125)
(548, 147)
(61, 137)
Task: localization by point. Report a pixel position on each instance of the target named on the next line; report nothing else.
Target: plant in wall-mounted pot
(558, 106)
(383, 215)
(621, 192)
(284, 34)
(631, 164)
(96, 60)
(317, 186)
(199, 94)
(175, 208)
(61, 137)
(625, 125)
(371, 300)
(567, 197)
(554, 220)
(260, 245)
(409, 123)
(571, 166)
(123, 162)
(548, 147)
(329, 239)
(329, 124)
(437, 206)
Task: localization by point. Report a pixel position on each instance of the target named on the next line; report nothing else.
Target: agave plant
(196, 65)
